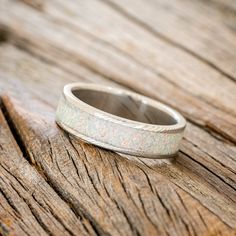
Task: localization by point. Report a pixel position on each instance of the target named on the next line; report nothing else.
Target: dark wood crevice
(55, 184)
(4, 34)
(29, 157)
(80, 212)
(14, 131)
(210, 171)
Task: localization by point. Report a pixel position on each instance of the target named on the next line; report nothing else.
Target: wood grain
(187, 25)
(28, 205)
(170, 51)
(206, 103)
(205, 168)
(119, 196)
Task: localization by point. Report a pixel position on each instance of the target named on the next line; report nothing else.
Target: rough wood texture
(132, 198)
(29, 206)
(76, 188)
(129, 60)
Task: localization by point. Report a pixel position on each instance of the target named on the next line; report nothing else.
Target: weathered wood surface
(130, 59)
(51, 183)
(28, 204)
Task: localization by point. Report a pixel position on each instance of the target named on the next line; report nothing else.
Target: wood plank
(205, 169)
(28, 205)
(187, 25)
(212, 110)
(118, 195)
(138, 44)
(193, 194)
(39, 76)
(166, 61)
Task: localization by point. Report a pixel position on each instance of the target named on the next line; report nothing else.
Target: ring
(120, 120)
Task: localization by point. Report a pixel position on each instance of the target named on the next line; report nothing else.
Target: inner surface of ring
(124, 106)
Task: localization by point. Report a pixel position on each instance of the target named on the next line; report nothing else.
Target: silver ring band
(120, 120)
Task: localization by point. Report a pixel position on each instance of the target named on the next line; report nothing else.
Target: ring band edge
(110, 147)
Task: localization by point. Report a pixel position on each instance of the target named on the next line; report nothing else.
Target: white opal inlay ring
(120, 120)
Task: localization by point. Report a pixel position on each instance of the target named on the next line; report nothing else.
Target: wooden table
(180, 52)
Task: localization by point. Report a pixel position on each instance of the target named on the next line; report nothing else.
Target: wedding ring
(120, 120)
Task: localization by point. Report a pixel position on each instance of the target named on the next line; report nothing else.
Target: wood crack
(4, 34)
(13, 177)
(34, 213)
(145, 211)
(62, 148)
(14, 131)
(9, 201)
(210, 171)
(202, 219)
(211, 156)
(26, 154)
